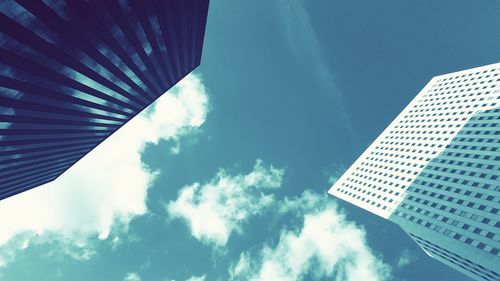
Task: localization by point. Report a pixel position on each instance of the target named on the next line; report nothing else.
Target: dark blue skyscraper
(72, 72)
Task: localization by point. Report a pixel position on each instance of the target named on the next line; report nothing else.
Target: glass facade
(73, 72)
(434, 171)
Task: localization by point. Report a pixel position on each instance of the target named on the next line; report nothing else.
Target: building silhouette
(73, 72)
(434, 171)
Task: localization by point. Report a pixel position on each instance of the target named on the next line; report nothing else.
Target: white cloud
(306, 47)
(325, 246)
(404, 259)
(215, 210)
(194, 278)
(132, 276)
(108, 187)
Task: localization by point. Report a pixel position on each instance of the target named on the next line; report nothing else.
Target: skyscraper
(434, 171)
(73, 72)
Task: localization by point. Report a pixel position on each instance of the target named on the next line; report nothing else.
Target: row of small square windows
(480, 125)
(459, 237)
(409, 132)
(386, 159)
(407, 137)
(368, 163)
(464, 96)
(471, 155)
(395, 162)
(463, 191)
(415, 116)
(431, 125)
(456, 223)
(406, 144)
(437, 176)
(363, 191)
(395, 169)
(450, 170)
(433, 95)
(463, 238)
(466, 81)
(478, 139)
(484, 132)
(398, 146)
(451, 108)
(452, 99)
(402, 150)
(452, 125)
(385, 167)
(472, 98)
(466, 87)
(468, 98)
(489, 117)
(463, 83)
(402, 156)
(469, 193)
(457, 260)
(431, 120)
(443, 113)
(469, 75)
(449, 209)
(374, 188)
(363, 199)
(446, 208)
(378, 180)
(374, 179)
(468, 163)
(473, 147)
(460, 99)
(445, 199)
(472, 75)
(443, 179)
(376, 163)
(463, 89)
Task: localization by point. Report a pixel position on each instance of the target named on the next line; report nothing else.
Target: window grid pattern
(434, 171)
(379, 178)
(466, 265)
(457, 193)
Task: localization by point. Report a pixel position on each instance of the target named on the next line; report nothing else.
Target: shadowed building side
(434, 171)
(73, 72)
(454, 202)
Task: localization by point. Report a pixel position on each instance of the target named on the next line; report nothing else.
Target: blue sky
(227, 178)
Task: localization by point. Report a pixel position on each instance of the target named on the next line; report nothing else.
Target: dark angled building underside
(72, 72)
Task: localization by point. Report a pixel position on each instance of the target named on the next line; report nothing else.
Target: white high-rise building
(434, 171)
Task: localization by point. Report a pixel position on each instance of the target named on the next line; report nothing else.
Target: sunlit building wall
(434, 171)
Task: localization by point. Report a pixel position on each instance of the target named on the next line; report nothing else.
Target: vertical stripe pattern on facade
(73, 72)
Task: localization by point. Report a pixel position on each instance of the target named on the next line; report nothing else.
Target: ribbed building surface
(434, 171)
(72, 72)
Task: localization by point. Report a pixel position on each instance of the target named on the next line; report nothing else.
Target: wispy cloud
(326, 245)
(404, 259)
(220, 207)
(306, 47)
(132, 276)
(194, 278)
(108, 187)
